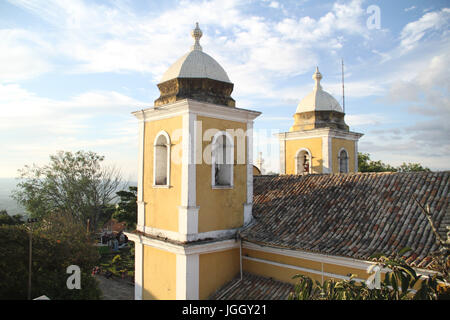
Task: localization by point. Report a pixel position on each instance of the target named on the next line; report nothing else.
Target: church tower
(319, 140)
(195, 181)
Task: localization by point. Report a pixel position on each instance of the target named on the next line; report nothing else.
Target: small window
(303, 162)
(343, 161)
(161, 168)
(222, 160)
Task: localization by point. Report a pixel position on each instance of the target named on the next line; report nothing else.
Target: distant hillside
(7, 185)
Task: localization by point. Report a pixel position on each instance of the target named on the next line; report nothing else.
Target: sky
(71, 72)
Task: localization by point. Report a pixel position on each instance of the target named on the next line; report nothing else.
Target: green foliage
(398, 284)
(75, 183)
(58, 242)
(126, 209)
(412, 167)
(6, 219)
(365, 164)
(119, 264)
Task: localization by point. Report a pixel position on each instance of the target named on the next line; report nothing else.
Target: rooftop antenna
(343, 94)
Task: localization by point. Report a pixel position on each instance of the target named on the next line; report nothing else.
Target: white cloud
(100, 38)
(274, 4)
(22, 55)
(414, 31)
(256, 51)
(355, 120)
(426, 141)
(34, 127)
(410, 8)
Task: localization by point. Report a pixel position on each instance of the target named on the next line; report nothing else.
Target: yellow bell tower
(320, 140)
(195, 182)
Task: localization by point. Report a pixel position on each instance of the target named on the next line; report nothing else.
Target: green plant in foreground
(398, 284)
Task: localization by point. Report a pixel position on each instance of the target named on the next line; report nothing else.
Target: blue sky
(71, 72)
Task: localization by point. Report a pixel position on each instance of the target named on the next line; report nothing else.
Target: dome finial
(196, 34)
(317, 76)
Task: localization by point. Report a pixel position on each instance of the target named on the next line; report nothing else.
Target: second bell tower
(320, 140)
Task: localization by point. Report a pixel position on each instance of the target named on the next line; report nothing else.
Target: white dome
(318, 99)
(196, 64)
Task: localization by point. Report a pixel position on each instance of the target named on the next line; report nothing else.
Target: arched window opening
(343, 161)
(222, 160)
(162, 160)
(303, 162)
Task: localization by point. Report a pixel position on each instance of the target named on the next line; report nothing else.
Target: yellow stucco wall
(221, 208)
(349, 145)
(216, 269)
(284, 273)
(162, 214)
(314, 145)
(159, 274)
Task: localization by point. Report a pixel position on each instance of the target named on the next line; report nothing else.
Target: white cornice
(319, 133)
(187, 249)
(200, 108)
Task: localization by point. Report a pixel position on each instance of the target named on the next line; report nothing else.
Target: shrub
(58, 242)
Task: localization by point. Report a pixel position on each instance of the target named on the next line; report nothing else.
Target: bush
(398, 284)
(58, 242)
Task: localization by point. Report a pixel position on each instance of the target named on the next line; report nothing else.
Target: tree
(412, 167)
(126, 209)
(59, 241)
(75, 183)
(365, 164)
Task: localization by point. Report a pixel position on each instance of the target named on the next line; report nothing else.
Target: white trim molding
(248, 207)
(185, 249)
(319, 133)
(249, 156)
(282, 140)
(140, 194)
(188, 221)
(188, 210)
(141, 215)
(187, 282)
(200, 108)
(327, 160)
(138, 271)
(189, 237)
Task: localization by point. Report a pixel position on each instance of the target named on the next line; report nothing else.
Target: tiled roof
(253, 287)
(350, 215)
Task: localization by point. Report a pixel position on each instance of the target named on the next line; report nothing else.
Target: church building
(211, 226)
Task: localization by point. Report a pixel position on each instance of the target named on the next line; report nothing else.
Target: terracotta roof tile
(352, 215)
(253, 287)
